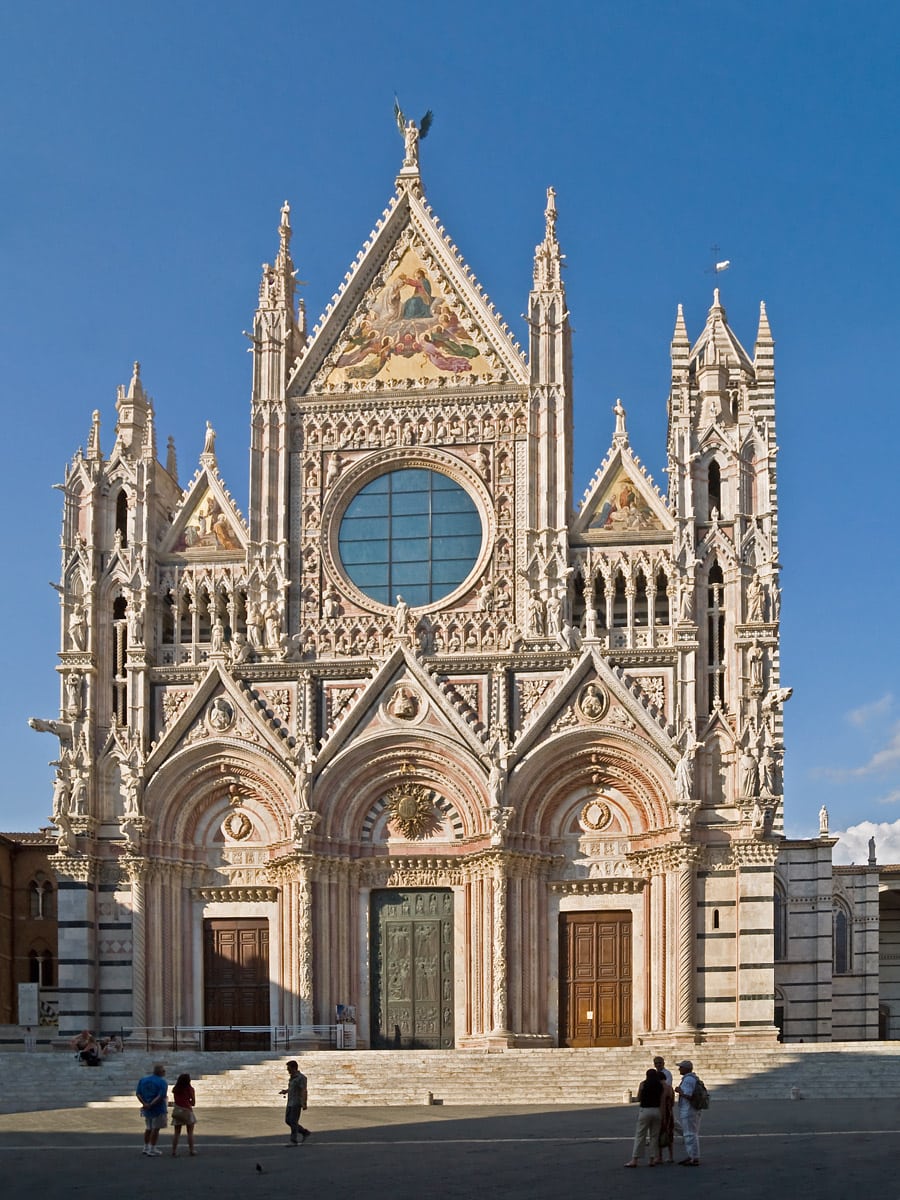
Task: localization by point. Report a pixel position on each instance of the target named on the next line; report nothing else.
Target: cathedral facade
(421, 734)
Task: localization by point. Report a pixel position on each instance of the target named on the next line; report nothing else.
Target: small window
(715, 918)
(122, 517)
(843, 948)
(714, 488)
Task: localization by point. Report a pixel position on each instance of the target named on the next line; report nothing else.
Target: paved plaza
(778, 1149)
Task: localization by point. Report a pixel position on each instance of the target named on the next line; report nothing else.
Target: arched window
(119, 650)
(620, 602)
(779, 920)
(122, 517)
(40, 896)
(168, 618)
(842, 940)
(41, 968)
(641, 614)
(715, 632)
(661, 604)
(715, 918)
(714, 489)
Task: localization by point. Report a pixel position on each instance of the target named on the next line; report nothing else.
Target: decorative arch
(354, 782)
(551, 787)
(192, 793)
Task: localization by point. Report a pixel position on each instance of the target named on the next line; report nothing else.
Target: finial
(412, 134)
(135, 388)
(681, 334)
(621, 434)
(208, 457)
(550, 215)
(284, 229)
(93, 442)
(716, 302)
(764, 333)
(171, 458)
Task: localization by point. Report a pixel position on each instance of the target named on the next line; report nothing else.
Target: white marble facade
(420, 673)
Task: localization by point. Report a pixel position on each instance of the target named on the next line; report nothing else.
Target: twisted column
(686, 945)
(305, 946)
(498, 1020)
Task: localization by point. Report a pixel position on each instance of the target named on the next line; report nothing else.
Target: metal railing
(274, 1038)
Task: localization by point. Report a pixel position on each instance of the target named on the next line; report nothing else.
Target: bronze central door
(595, 979)
(236, 983)
(412, 969)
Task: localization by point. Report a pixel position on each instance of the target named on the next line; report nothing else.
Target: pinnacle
(680, 336)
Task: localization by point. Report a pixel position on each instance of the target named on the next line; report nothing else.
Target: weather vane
(717, 265)
(412, 134)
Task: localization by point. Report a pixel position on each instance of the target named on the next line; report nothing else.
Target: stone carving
(237, 825)
(684, 774)
(401, 617)
(755, 661)
(593, 702)
(77, 627)
(74, 686)
(755, 600)
(595, 815)
(173, 703)
(273, 626)
(404, 703)
(767, 773)
(823, 821)
(411, 809)
(220, 715)
(749, 771)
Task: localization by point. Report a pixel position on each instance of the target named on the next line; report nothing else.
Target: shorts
(183, 1116)
(157, 1122)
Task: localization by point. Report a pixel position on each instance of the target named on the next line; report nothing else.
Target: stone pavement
(778, 1149)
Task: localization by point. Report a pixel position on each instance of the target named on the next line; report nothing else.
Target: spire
(171, 458)
(764, 350)
(547, 256)
(276, 288)
(680, 334)
(133, 410)
(93, 443)
(150, 435)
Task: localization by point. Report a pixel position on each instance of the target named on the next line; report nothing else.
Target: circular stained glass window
(413, 533)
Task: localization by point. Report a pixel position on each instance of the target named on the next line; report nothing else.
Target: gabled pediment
(219, 708)
(401, 698)
(207, 522)
(594, 695)
(621, 503)
(410, 313)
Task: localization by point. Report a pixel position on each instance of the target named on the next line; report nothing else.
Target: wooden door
(236, 983)
(595, 979)
(412, 969)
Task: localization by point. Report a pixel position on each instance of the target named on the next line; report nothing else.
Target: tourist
(296, 1102)
(151, 1091)
(648, 1123)
(688, 1116)
(183, 1101)
(666, 1111)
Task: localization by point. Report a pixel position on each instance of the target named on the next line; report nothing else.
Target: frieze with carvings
(597, 887)
(173, 703)
(236, 895)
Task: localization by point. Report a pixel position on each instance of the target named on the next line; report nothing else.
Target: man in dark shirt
(296, 1102)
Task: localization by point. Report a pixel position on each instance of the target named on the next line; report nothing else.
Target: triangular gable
(621, 503)
(728, 349)
(409, 311)
(217, 682)
(575, 690)
(400, 670)
(207, 521)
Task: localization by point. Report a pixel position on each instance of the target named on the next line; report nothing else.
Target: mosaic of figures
(623, 509)
(410, 329)
(208, 528)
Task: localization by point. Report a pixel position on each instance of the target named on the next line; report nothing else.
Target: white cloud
(867, 712)
(854, 844)
(891, 798)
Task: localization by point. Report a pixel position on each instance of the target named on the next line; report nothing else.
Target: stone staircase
(47, 1080)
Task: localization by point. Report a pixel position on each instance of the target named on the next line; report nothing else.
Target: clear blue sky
(147, 150)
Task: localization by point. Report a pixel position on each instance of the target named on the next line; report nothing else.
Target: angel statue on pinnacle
(412, 134)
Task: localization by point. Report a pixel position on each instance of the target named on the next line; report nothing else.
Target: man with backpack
(688, 1114)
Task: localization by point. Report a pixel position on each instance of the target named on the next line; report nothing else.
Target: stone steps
(388, 1077)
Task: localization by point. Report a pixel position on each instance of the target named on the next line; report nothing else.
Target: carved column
(136, 868)
(499, 1015)
(686, 929)
(305, 945)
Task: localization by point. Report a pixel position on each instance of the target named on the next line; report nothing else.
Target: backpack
(700, 1096)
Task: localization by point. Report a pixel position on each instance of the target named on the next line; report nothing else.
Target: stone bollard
(627, 1096)
(795, 1094)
